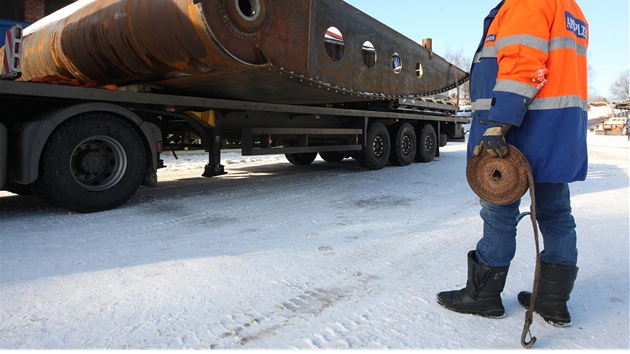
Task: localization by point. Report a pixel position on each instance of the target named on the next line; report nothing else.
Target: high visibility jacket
(530, 71)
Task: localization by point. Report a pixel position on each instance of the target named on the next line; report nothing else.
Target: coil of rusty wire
(499, 180)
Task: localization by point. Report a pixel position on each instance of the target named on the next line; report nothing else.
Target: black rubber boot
(482, 294)
(554, 288)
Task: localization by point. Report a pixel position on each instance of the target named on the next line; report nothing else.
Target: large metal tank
(298, 51)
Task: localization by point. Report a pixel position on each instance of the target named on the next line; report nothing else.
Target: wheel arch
(34, 135)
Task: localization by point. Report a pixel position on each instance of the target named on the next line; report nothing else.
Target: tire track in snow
(313, 304)
(243, 329)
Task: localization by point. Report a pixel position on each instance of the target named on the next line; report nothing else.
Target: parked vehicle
(84, 125)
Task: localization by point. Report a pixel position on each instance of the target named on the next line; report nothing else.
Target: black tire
(92, 162)
(332, 156)
(443, 139)
(377, 149)
(404, 145)
(427, 144)
(302, 159)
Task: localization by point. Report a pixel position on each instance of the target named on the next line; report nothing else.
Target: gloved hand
(493, 140)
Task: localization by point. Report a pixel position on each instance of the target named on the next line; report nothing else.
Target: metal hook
(526, 331)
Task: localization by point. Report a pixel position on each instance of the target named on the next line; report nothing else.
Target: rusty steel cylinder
(298, 51)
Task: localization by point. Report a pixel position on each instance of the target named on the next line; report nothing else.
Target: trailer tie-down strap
(504, 181)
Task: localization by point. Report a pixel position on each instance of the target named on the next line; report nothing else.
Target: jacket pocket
(508, 58)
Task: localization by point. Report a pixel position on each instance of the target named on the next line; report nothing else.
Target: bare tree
(592, 92)
(620, 89)
(458, 59)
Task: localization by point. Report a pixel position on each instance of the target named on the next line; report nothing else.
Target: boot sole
(551, 322)
(485, 315)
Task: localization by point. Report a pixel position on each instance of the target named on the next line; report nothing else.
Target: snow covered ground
(276, 256)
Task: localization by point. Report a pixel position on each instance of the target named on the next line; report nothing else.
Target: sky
(456, 25)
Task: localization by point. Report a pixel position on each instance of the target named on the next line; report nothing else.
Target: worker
(528, 87)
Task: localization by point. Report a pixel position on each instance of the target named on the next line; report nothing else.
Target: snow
(276, 256)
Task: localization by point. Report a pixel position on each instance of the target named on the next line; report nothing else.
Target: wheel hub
(428, 144)
(378, 146)
(91, 161)
(98, 163)
(407, 146)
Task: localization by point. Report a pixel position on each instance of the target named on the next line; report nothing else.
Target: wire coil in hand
(504, 180)
(499, 180)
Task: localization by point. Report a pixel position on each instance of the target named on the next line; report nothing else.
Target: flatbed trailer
(89, 149)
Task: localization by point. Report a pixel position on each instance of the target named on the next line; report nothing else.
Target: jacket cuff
(509, 108)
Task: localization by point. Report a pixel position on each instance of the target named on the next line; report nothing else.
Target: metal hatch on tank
(297, 52)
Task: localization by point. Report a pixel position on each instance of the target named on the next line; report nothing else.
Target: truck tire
(332, 156)
(93, 162)
(427, 144)
(404, 144)
(378, 146)
(302, 159)
(443, 139)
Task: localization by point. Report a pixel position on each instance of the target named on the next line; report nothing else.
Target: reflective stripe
(516, 87)
(567, 43)
(534, 42)
(477, 58)
(558, 102)
(526, 40)
(486, 52)
(482, 104)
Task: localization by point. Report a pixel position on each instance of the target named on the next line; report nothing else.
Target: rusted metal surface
(260, 50)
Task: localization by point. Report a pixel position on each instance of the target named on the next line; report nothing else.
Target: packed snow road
(273, 255)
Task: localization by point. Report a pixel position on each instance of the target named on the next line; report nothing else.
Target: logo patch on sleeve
(491, 38)
(576, 26)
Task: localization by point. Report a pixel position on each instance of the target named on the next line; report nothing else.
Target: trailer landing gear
(213, 169)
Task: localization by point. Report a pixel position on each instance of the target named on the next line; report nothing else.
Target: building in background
(26, 12)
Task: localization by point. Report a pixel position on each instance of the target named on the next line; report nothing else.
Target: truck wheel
(332, 156)
(403, 144)
(93, 162)
(302, 159)
(376, 152)
(427, 144)
(443, 139)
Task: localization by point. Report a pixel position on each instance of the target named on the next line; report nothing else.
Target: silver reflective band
(486, 52)
(533, 42)
(557, 103)
(516, 87)
(482, 104)
(567, 43)
(526, 40)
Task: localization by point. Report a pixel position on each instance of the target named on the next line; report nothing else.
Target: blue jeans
(556, 225)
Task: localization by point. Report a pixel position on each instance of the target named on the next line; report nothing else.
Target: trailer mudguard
(32, 137)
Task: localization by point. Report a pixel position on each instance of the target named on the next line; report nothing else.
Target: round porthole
(419, 70)
(368, 54)
(247, 15)
(334, 43)
(397, 64)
